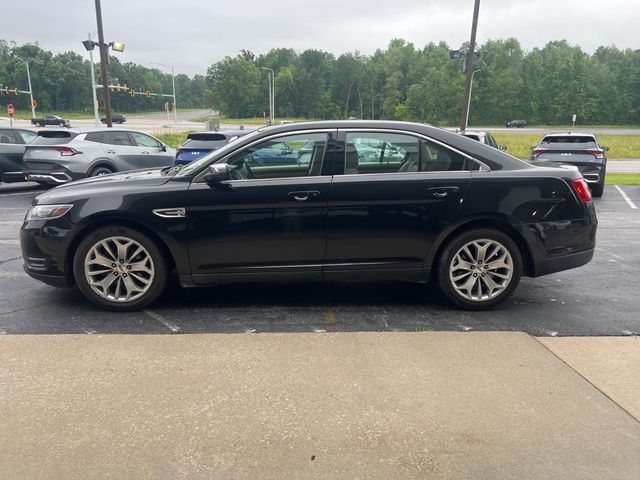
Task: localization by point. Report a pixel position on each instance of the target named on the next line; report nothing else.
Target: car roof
(228, 133)
(494, 158)
(570, 134)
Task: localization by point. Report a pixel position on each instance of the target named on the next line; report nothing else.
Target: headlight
(46, 212)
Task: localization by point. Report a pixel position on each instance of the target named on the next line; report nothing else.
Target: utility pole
(104, 59)
(33, 107)
(272, 93)
(471, 54)
(173, 82)
(96, 114)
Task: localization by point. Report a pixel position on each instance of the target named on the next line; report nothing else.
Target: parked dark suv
(431, 205)
(581, 150)
(516, 124)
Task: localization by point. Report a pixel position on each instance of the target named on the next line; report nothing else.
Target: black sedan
(431, 206)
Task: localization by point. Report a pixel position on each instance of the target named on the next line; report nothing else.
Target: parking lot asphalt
(599, 299)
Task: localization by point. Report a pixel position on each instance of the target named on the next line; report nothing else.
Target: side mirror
(502, 147)
(163, 148)
(605, 149)
(216, 173)
(533, 147)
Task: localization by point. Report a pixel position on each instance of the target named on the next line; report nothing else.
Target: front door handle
(303, 196)
(111, 151)
(442, 192)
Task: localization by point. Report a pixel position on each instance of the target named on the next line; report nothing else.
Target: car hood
(94, 186)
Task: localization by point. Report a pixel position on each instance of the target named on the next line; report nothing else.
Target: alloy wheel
(119, 269)
(481, 270)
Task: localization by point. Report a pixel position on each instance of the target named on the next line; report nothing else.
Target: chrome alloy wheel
(481, 270)
(119, 269)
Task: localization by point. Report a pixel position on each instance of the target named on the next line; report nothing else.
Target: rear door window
(373, 152)
(94, 137)
(117, 138)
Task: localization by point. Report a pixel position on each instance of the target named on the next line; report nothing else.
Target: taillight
(538, 151)
(599, 154)
(66, 151)
(581, 189)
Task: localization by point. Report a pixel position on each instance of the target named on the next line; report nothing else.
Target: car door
(11, 152)
(156, 154)
(268, 220)
(119, 147)
(384, 213)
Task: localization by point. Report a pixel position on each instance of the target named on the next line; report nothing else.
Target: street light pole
(471, 53)
(469, 101)
(173, 82)
(96, 114)
(104, 58)
(33, 108)
(272, 93)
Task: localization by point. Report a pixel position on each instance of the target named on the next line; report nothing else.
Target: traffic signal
(16, 91)
(5, 90)
(132, 92)
(148, 94)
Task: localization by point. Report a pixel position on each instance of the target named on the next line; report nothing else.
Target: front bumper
(44, 245)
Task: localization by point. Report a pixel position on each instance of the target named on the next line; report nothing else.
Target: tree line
(544, 86)
(62, 82)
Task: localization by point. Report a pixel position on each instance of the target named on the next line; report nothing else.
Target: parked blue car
(199, 144)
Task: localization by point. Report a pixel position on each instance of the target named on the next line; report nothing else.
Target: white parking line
(171, 326)
(626, 198)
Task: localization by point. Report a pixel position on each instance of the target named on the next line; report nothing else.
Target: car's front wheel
(120, 268)
(479, 269)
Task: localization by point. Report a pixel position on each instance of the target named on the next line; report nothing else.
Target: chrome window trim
(483, 166)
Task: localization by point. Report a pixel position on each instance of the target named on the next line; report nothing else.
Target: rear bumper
(55, 175)
(565, 262)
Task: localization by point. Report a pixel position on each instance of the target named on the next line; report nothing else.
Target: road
(598, 299)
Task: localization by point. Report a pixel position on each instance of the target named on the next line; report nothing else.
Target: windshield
(200, 163)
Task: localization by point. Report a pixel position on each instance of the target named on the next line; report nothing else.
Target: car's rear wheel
(479, 269)
(597, 190)
(100, 170)
(120, 268)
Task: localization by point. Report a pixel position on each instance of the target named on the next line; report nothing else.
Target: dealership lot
(598, 299)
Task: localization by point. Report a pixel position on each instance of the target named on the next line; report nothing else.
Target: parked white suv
(60, 156)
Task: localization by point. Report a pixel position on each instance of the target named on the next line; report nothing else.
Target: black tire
(159, 266)
(100, 170)
(597, 190)
(445, 261)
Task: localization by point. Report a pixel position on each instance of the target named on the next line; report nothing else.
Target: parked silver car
(60, 156)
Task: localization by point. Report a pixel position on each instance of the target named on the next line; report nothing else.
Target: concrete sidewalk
(436, 405)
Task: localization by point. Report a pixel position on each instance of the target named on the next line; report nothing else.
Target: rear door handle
(111, 151)
(441, 192)
(303, 196)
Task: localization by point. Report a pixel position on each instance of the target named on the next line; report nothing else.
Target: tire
(130, 288)
(480, 296)
(597, 190)
(100, 170)
(38, 124)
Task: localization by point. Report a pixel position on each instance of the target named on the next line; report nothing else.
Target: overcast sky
(192, 34)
